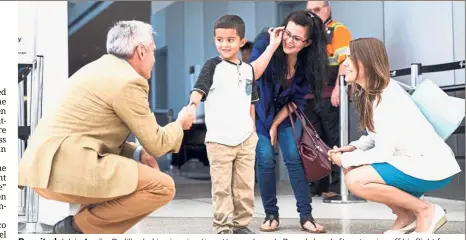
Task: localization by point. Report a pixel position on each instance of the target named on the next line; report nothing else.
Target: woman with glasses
(289, 62)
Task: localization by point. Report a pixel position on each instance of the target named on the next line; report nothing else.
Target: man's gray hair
(326, 2)
(125, 36)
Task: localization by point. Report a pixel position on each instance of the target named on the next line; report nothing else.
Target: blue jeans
(265, 163)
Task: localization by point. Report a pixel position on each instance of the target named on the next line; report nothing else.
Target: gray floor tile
(153, 225)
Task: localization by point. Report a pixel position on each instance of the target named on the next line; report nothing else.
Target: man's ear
(140, 51)
(243, 41)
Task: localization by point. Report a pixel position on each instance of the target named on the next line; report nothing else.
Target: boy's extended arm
(195, 98)
(194, 101)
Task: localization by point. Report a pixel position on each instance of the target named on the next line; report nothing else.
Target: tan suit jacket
(81, 149)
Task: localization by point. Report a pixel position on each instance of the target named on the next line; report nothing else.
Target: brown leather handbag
(311, 148)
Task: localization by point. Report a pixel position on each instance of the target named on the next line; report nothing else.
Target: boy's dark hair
(231, 22)
(247, 45)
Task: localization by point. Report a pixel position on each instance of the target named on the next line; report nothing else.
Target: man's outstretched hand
(186, 118)
(149, 160)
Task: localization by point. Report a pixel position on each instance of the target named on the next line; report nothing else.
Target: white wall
(52, 43)
(420, 32)
(428, 32)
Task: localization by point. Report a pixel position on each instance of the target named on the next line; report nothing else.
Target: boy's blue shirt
(271, 102)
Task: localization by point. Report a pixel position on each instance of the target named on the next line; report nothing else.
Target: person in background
(246, 51)
(227, 86)
(289, 61)
(402, 157)
(325, 117)
(79, 153)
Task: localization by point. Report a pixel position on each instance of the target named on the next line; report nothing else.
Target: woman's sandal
(270, 218)
(310, 219)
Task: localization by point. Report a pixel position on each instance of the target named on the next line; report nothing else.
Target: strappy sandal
(270, 218)
(310, 219)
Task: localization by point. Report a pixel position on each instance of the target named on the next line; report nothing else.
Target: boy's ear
(243, 41)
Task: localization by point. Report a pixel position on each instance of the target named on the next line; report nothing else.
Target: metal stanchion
(416, 74)
(34, 85)
(21, 146)
(344, 196)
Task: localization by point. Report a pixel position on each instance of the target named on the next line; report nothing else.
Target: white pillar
(52, 43)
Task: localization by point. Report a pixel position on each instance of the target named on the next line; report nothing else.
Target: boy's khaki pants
(232, 173)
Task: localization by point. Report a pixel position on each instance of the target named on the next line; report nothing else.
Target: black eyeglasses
(295, 38)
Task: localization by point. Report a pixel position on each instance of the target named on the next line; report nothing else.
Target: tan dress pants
(232, 173)
(117, 215)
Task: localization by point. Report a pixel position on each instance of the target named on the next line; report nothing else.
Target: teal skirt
(414, 186)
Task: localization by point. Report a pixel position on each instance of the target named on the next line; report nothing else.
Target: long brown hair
(372, 55)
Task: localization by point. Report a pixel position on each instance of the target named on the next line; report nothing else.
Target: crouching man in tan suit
(79, 154)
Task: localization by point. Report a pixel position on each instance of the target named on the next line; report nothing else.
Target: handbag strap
(292, 124)
(301, 114)
(306, 124)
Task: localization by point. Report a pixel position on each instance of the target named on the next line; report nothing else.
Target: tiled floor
(191, 212)
(188, 225)
(202, 207)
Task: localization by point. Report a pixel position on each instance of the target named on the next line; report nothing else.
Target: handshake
(187, 116)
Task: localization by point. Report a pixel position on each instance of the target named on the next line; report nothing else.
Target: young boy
(226, 84)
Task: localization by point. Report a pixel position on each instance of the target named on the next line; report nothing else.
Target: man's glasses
(316, 10)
